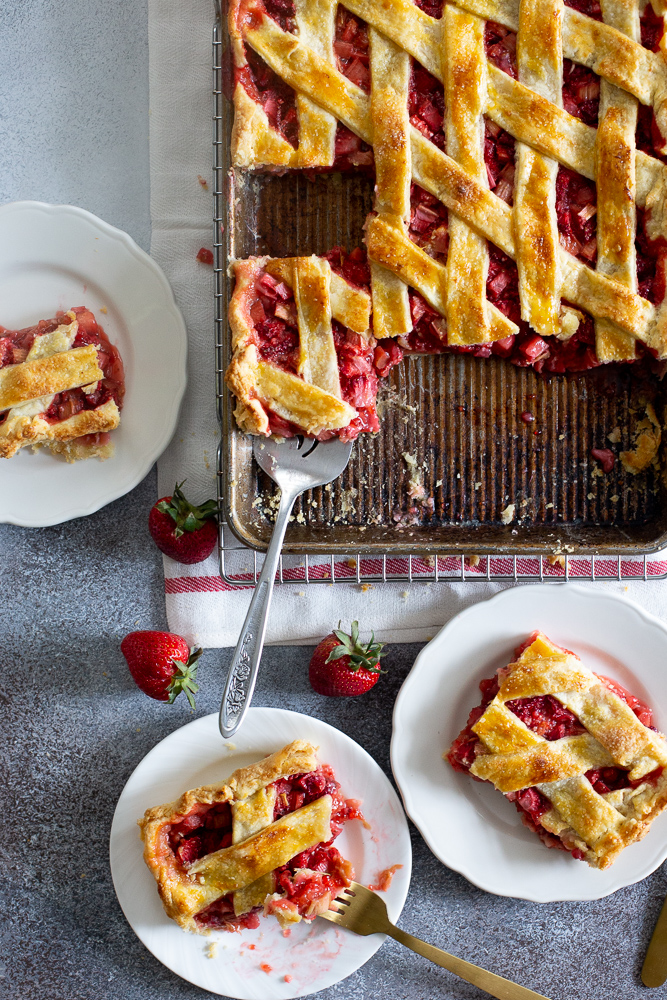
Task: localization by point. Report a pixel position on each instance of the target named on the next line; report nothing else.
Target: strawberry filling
(14, 348)
(431, 7)
(652, 28)
(267, 89)
(314, 875)
(426, 105)
(351, 49)
(547, 717)
(362, 361)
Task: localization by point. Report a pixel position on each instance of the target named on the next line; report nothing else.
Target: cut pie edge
(309, 400)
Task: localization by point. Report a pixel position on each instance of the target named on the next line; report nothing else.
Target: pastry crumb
(404, 593)
(415, 483)
(231, 746)
(301, 593)
(212, 949)
(439, 483)
(647, 437)
(590, 496)
(615, 498)
(507, 515)
(473, 561)
(365, 586)
(103, 309)
(614, 436)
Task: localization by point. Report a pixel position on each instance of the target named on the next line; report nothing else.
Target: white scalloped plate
(57, 256)
(315, 955)
(468, 825)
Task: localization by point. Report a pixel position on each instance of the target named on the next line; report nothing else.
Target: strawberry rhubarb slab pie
(576, 753)
(260, 842)
(61, 387)
(518, 154)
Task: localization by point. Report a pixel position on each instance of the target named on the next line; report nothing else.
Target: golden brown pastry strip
(234, 867)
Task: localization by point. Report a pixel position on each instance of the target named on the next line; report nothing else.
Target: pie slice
(61, 387)
(304, 360)
(260, 842)
(574, 751)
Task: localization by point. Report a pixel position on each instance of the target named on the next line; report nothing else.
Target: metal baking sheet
(454, 459)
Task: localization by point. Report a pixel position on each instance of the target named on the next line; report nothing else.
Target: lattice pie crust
(514, 758)
(556, 289)
(28, 390)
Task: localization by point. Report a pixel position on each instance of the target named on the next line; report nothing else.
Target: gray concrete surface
(73, 128)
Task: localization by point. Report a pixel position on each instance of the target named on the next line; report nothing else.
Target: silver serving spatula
(295, 464)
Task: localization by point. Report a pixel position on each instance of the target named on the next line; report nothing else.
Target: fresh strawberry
(162, 664)
(342, 665)
(181, 530)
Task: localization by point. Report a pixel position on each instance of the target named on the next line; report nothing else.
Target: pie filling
(547, 717)
(575, 195)
(15, 346)
(303, 886)
(362, 361)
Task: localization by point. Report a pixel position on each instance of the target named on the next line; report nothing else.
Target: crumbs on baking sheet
(507, 515)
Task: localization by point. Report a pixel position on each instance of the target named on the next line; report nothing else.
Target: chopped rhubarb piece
(351, 48)
(581, 92)
(385, 879)
(605, 457)
(500, 44)
(426, 105)
(205, 256)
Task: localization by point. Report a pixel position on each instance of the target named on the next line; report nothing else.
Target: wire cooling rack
(241, 566)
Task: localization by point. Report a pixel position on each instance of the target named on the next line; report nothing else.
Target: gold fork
(362, 911)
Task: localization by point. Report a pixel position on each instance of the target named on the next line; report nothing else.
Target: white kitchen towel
(200, 605)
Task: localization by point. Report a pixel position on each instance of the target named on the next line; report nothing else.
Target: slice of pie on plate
(574, 751)
(259, 842)
(61, 387)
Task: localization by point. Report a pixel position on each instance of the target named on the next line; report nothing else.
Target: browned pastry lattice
(303, 355)
(553, 283)
(605, 739)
